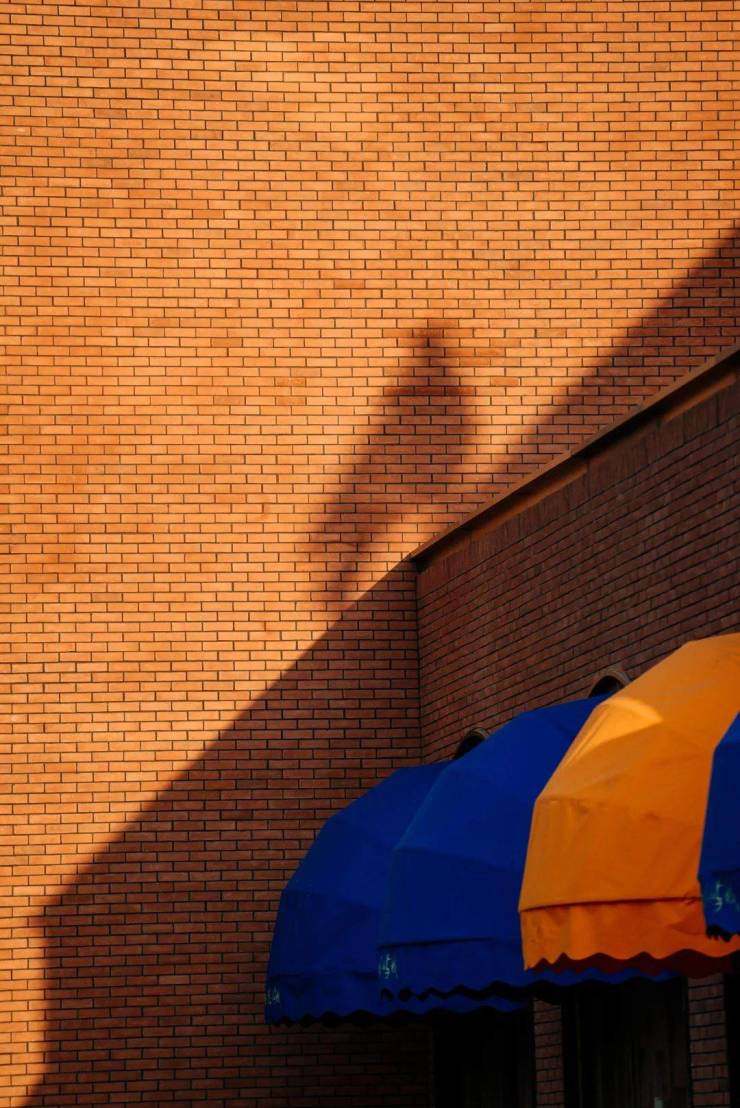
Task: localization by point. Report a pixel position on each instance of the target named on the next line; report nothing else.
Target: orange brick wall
(288, 287)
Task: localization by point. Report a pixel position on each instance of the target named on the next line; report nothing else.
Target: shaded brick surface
(548, 1050)
(620, 566)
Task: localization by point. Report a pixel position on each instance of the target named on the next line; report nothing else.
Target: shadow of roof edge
(718, 372)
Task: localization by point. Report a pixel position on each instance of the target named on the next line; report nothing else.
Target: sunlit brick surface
(287, 288)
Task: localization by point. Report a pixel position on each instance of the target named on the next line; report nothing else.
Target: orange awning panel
(611, 872)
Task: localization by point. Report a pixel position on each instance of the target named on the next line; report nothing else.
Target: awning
(324, 958)
(451, 920)
(612, 869)
(719, 869)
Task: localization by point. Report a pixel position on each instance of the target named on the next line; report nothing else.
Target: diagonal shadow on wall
(155, 953)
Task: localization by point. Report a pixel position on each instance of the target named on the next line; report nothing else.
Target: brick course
(288, 287)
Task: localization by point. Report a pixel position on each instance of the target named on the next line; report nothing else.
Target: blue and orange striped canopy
(450, 921)
(613, 822)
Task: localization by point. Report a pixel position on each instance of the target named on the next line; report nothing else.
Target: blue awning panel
(451, 918)
(719, 867)
(323, 960)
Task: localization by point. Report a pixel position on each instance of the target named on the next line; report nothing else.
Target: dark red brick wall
(618, 567)
(709, 1044)
(548, 1055)
(288, 286)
